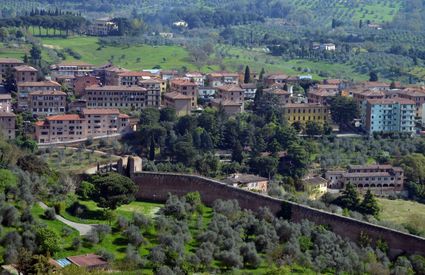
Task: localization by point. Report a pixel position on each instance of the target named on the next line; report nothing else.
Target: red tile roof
(25, 68)
(183, 82)
(135, 74)
(47, 83)
(75, 63)
(177, 96)
(88, 260)
(64, 117)
(230, 88)
(8, 60)
(105, 111)
(388, 101)
(116, 88)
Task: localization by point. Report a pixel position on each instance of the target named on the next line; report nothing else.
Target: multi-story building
(231, 108)
(45, 103)
(306, 112)
(250, 89)
(123, 97)
(390, 115)
(27, 87)
(222, 78)
(181, 103)
(133, 78)
(80, 83)
(7, 124)
(89, 123)
(72, 68)
(417, 95)
(198, 78)
(154, 90)
(320, 96)
(377, 178)
(25, 73)
(187, 88)
(112, 77)
(169, 75)
(207, 93)
(248, 182)
(283, 97)
(5, 103)
(102, 27)
(273, 79)
(230, 93)
(6, 65)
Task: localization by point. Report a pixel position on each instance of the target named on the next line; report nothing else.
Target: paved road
(84, 229)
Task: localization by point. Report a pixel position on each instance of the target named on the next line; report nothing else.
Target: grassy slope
(402, 212)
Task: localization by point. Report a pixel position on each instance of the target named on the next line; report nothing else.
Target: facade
(45, 103)
(7, 124)
(186, 88)
(320, 96)
(306, 112)
(416, 95)
(328, 47)
(273, 79)
(112, 77)
(315, 186)
(80, 83)
(27, 87)
(198, 78)
(89, 123)
(6, 64)
(222, 78)
(390, 115)
(133, 78)
(377, 178)
(231, 108)
(72, 68)
(248, 182)
(25, 73)
(230, 93)
(181, 103)
(123, 97)
(207, 93)
(102, 27)
(250, 89)
(169, 75)
(5, 103)
(284, 97)
(154, 89)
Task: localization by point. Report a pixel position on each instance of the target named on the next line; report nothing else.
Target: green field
(410, 214)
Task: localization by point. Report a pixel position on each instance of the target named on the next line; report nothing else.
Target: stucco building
(27, 87)
(45, 103)
(181, 103)
(25, 73)
(7, 124)
(186, 88)
(5, 103)
(6, 65)
(306, 112)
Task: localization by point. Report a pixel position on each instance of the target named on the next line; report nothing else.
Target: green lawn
(406, 213)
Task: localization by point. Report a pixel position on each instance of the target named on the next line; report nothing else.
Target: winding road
(82, 228)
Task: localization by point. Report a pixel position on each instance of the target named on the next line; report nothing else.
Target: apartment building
(231, 93)
(27, 87)
(25, 73)
(80, 83)
(273, 79)
(71, 68)
(230, 107)
(377, 178)
(6, 65)
(222, 78)
(415, 94)
(7, 124)
(198, 78)
(181, 103)
(320, 96)
(5, 103)
(390, 115)
(133, 78)
(169, 75)
(123, 97)
(283, 97)
(45, 103)
(187, 88)
(112, 75)
(250, 90)
(154, 91)
(89, 123)
(306, 112)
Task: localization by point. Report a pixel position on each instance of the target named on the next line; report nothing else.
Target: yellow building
(306, 112)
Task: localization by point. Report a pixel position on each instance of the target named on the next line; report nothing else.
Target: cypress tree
(247, 77)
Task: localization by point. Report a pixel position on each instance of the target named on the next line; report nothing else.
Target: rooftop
(373, 166)
(135, 74)
(277, 77)
(418, 92)
(248, 86)
(389, 101)
(64, 117)
(89, 111)
(8, 60)
(88, 260)
(46, 83)
(277, 91)
(7, 114)
(243, 179)
(25, 68)
(230, 88)
(177, 96)
(223, 74)
(366, 174)
(75, 63)
(133, 88)
(322, 92)
(226, 102)
(5, 96)
(183, 82)
(304, 105)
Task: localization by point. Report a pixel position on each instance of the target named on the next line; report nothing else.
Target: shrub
(92, 237)
(50, 214)
(132, 233)
(106, 255)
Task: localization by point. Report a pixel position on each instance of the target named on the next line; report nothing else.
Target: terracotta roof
(182, 82)
(230, 88)
(375, 84)
(387, 101)
(177, 96)
(303, 105)
(322, 92)
(75, 63)
(248, 86)
(123, 116)
(39, 123)
(8, 60)
(315, 180)
(5, 96)
(327, 86)
(223, 74)
(243, 179)
(226, 102)
(150, 81)
(277, 77)
(135, 74)
(133, 88)
(333, 81)
(276, 91)
(25, 68)
(48, 93)
(7, 114)
(89, 111)
(413, 92)
(372, 166)
(46, 83)
(366, 174)
(64, 117)
(88, 260)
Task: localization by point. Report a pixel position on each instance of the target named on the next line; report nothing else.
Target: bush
(50, 214)
(106, 255)
(132, 233)
(102, 230)
(92, 237)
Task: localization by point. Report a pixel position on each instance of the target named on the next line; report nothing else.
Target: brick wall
(157, 186)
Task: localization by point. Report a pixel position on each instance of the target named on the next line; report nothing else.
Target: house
(315, 186)
(231, 93)
(5, 103)
(230, 107)
(93, 123)
(375, 85)
(284, 97)
(248, 182)
(44, 103)
(417, 95)
(112, 75)
(6, 65)
(328, 46)
(89, 261)
(76, 106)
(7, 124)
(250, 89)
(27, 87)
(377, 178)
(80, 83)
(187, 88)
(102, 27)
(390, 115)
(222, 78)
(273, 79)
(153, 86)
(25, 73)
(123, 97)
(169, 75)
(71, 68)
(296, 112)
(320, 96)
(179, 102)
(197, 78)
(133, 78)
